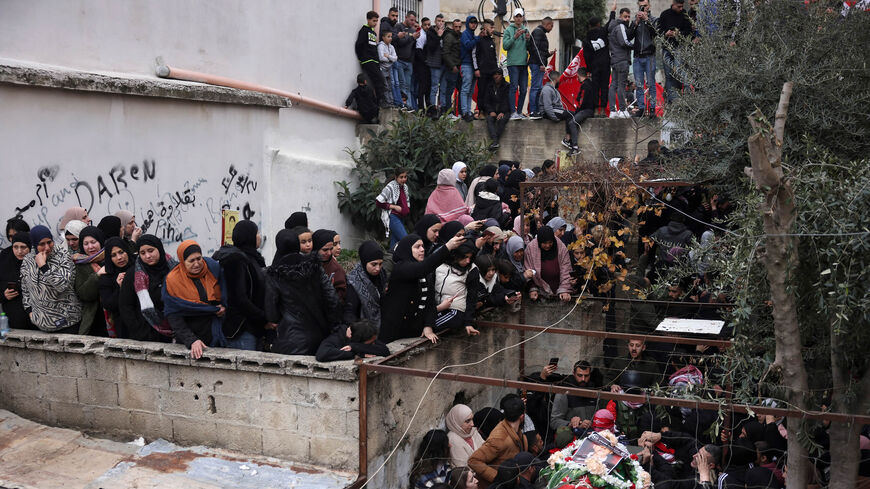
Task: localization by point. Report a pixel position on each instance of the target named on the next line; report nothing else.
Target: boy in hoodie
(484, 59)
(451, 55)
(621, 45)
(363, 100)
(387, 58)
(552, 108)
(366, 48)
(468, 41)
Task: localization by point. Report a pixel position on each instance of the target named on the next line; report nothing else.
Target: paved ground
(38, 456)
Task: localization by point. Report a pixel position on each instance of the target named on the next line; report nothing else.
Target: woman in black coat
(10, 279)
(245, 320)
(301, 300)
(408, 307)
(141, 297)
(115, 267)
(487, 205)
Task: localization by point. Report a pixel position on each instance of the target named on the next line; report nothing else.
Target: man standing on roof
(366, 48)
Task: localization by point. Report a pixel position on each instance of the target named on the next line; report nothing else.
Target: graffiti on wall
(171, 208)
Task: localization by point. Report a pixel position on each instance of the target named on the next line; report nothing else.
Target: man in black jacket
(360, 339)
(596, 51)
(644, 32)
(484, 58)
(434, 52)
(366, 48)
(586, 98)
(539, 53)
(363, 100)
(673, 24)
(404, 40)
(496, 106)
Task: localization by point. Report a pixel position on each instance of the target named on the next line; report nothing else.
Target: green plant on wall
(419, 144)
(583, 11)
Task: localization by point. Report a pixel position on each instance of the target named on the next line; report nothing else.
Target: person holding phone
(456, 284)
(10, 276)
(514, 42)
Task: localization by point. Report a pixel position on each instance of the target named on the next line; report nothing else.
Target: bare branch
(781, 113)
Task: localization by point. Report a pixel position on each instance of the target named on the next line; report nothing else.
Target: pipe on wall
(165, 71)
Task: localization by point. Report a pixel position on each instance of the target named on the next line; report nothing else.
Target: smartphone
(14, 286)
(554, 361)
(516, 294)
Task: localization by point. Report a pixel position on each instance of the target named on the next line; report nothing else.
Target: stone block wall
(288, 407)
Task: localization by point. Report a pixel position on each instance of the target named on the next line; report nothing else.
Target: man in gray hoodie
(552, 108)
(621, 44)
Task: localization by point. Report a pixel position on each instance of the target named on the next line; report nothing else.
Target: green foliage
(826, 143)
(419, 144)
(583, 11)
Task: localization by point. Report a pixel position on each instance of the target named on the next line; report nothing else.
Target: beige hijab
(456, 417)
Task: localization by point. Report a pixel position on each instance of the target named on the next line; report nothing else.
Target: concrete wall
(283, 406)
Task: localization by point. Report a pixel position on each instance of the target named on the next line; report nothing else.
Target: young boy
(366, 48)
(365, 100)
(496, 106)
(387, 56)
(395, 205)
(551, 106)
(585, 109)
(360, 339)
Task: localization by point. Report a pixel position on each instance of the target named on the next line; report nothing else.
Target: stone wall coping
(19, 72)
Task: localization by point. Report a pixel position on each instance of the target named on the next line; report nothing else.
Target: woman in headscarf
(486, 173)
(460, 169)
(300, 299)
(71, 234)
(408, 307)
(115, 265)
(245, 287)
(524, 232)
(432, 463)
(394, 201)
(456, 284)
(47, 285)
(75, 214)
(141, 297)
(10, 276)
(488, 205)
(549, 258)
(286, 242)
(463, 436)
(14, 225)
(491, 292)
(427, 229)
(511, 193)
(366, 284)
(445, 201)
(87, 288)
(130, 232)
(192, 299)
(110, 226)
(323, 243)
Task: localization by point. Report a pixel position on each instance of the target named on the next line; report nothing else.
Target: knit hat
(39, 233)
(322, 237)
(603, 420)
(370, 251)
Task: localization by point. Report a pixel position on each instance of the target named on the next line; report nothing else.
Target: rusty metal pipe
(165, 71)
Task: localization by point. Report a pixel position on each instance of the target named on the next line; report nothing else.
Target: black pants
(372, 71)
(495, 127)
(573, 124)
(423, 82)
(483, 84)
(601, 85)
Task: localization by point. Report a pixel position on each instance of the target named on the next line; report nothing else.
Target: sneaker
(625, 114)
(575, 151)
(468, 117)
(535, 116)
(453, 117)
(614, 114)
(566, 143)
(494, 146)
(516, 116)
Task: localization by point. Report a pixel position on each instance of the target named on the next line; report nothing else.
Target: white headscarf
(457, 167)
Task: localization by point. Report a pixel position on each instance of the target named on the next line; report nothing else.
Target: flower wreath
(592, 473)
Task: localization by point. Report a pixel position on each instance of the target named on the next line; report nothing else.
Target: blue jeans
(535, 89)
(397, 230)
(645, 71)
(394, 77)
(405, 71)
(519, 78)
(244, 341)
(467, 91)
(437, 75)
(449, 79)
(672, 85)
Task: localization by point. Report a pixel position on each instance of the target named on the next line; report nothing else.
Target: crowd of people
(440, 66)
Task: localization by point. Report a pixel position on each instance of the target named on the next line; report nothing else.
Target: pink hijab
(446, 202)
(73, 214)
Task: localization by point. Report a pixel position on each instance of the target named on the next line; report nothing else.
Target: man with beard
(573, 411)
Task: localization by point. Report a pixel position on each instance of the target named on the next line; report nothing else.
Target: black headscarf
(159, 269)
(286, 242)
(245, 239)
(321, 238)
(296, 219)
(370, 251)
(488, 171)
(448, 231)
(111, 244)
(545, 233)
(10, 265)
(422, 228)
(92, 232)
(459, 253)
(403, 248)
(110, 226)
(515, 177)
(19, 225)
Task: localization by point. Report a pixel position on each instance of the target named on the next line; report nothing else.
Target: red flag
(569, 85)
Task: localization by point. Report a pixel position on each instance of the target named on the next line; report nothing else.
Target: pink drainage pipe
(165, 71)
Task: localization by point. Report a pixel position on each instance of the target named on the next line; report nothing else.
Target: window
(404, 6)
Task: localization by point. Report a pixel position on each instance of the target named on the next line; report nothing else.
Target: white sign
(692, 326)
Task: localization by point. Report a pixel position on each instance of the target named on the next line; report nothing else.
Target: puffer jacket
(488, 205)
(451, 50)
(49, 292)
(538, 47)
(620, 42)
(300, 298)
